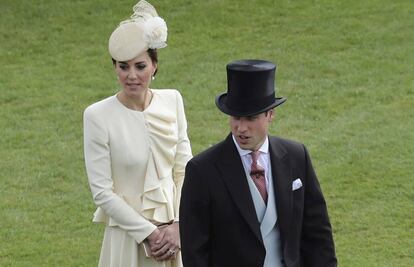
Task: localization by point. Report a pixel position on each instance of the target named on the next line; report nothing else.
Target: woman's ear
(155, 69)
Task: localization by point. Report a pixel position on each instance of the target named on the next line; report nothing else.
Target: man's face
(250, 132)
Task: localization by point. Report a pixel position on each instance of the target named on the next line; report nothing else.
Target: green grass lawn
(346, 68)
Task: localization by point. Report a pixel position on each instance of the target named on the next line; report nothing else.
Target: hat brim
(221, 104)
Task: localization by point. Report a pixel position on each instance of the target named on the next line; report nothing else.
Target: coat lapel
(282, 186)
(234, 177)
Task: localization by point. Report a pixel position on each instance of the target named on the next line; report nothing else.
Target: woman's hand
(153, 237)
(167, 243)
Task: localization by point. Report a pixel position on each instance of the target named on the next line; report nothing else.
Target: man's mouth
(243, 138)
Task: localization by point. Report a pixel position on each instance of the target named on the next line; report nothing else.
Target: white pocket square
(296, 184)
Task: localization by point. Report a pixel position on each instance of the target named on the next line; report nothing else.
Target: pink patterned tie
(258, 175)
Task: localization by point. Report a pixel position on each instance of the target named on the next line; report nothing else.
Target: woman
(136, 148)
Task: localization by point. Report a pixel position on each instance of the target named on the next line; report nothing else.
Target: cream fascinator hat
(144, 30)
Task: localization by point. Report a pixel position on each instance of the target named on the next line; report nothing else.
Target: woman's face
(135, 75)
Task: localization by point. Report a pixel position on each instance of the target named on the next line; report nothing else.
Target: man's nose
(242, 126)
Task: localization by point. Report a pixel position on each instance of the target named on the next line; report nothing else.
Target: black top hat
(250, 88)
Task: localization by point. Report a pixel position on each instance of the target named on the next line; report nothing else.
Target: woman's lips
(133, 85)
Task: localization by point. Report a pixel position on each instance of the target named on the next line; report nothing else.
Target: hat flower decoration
(156, 33)
(155, 28)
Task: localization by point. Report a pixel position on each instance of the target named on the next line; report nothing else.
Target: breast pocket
(297, 198)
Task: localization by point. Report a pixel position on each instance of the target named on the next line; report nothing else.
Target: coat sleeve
(317, 246)
(183, 154)
(98, 168)
(195, 218)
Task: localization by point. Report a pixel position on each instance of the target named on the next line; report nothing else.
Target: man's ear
(270, 115)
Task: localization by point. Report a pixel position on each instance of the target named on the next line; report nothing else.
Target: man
(253, 200)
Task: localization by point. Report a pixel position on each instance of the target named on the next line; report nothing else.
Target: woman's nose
(132, 74)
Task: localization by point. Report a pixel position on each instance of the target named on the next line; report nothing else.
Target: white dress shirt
(263, 159)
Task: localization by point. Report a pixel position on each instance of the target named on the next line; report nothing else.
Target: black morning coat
(218, 222)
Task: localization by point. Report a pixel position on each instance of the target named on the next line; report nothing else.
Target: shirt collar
(243, 152)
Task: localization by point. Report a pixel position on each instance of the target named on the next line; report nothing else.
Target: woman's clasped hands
(164, 242)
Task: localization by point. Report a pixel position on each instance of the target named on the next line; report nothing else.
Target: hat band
(244, 105)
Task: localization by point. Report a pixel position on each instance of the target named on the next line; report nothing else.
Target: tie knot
(255, 156)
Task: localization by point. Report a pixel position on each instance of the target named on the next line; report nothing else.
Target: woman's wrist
(153, 235)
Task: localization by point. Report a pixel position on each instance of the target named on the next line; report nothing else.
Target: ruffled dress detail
(162, 132)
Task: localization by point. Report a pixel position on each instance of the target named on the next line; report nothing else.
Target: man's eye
(252, 118)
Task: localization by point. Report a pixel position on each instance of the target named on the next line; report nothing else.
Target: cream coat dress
(135, 163)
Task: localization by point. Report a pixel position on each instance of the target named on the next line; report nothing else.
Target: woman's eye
(140, 66)
(123, 67)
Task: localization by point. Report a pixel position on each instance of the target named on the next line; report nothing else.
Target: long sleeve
(183, 154)
(195, 218)
(98, 167)
(317, 243)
